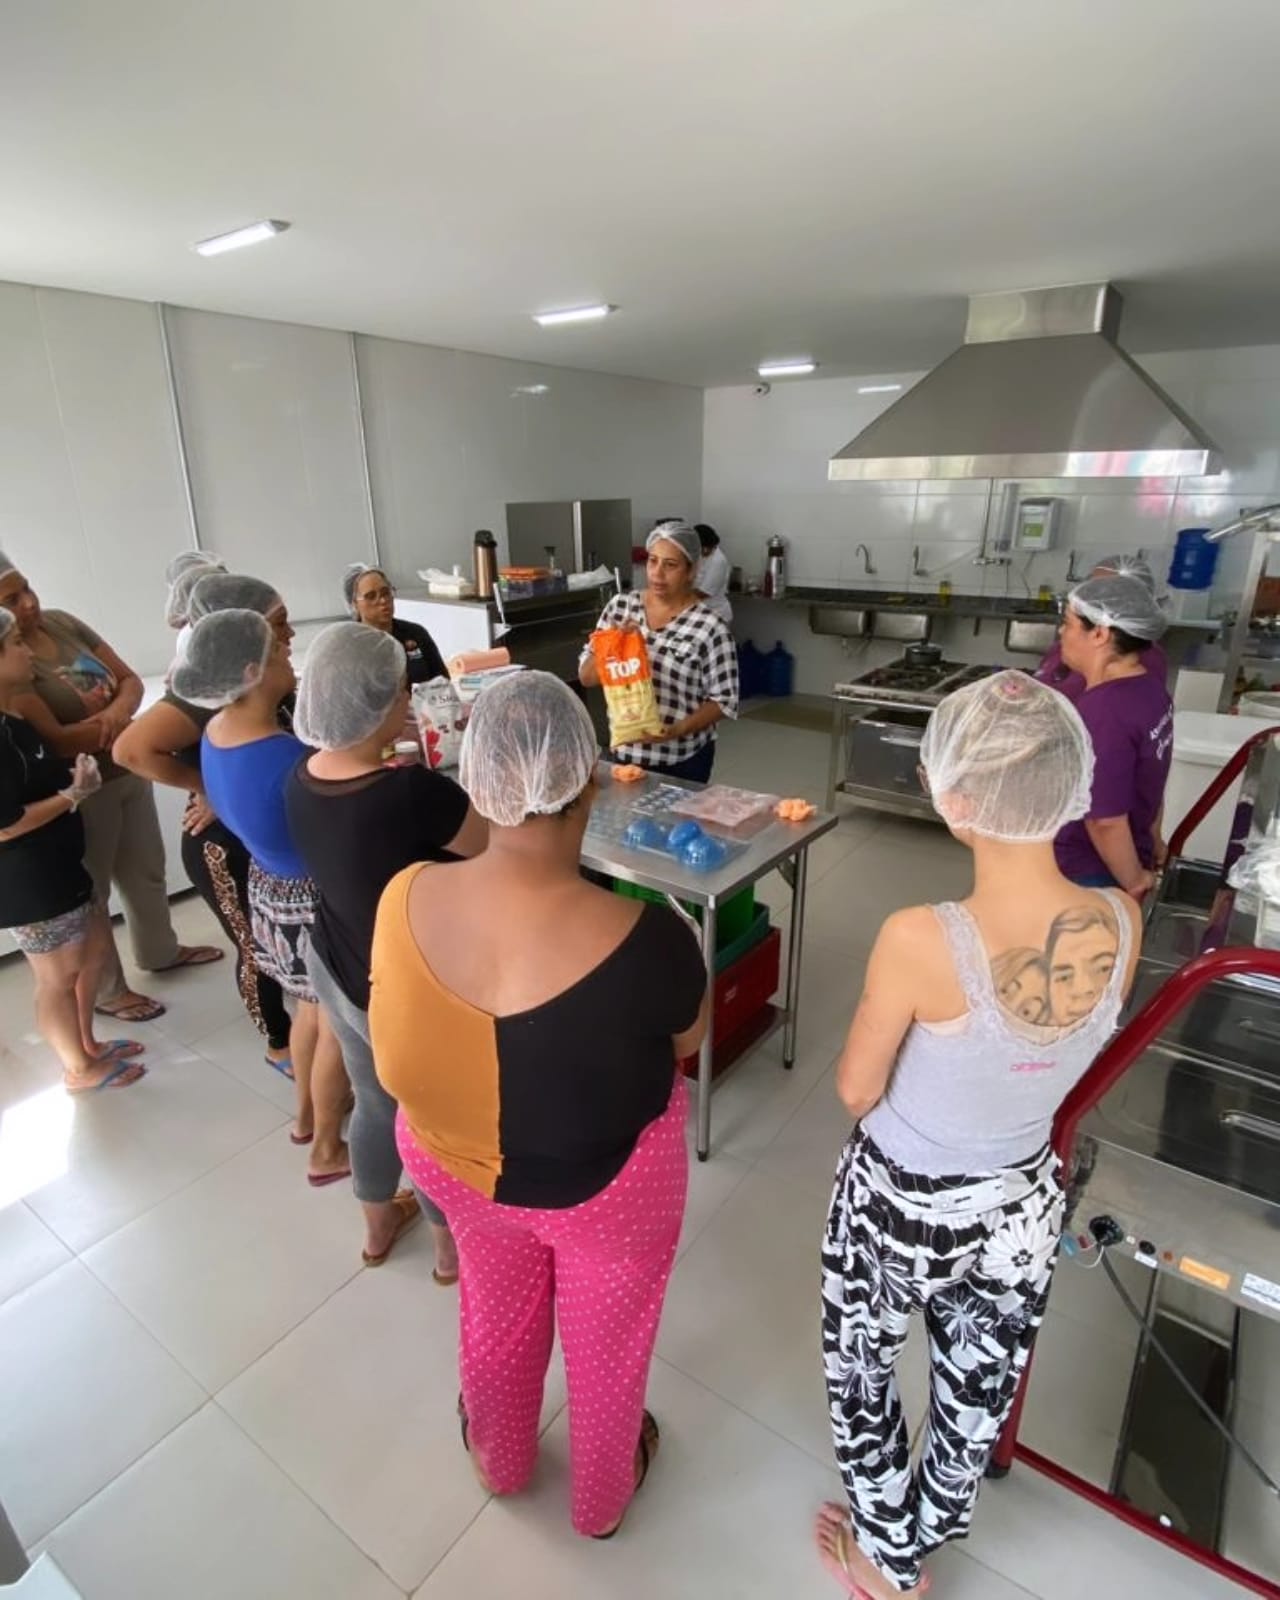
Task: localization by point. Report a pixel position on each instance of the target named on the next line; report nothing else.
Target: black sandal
(647, 1445)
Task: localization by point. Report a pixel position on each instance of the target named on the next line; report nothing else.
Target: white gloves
(86, 779)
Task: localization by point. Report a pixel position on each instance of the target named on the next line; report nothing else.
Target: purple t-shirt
(1054, 671)
(1130, 721)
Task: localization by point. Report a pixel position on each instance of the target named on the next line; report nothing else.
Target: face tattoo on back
(1064, 982)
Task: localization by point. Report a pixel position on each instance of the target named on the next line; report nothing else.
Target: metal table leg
(836, 762)
(795, 944)
(707, 1047)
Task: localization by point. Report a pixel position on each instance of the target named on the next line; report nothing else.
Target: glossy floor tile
(203, 1394)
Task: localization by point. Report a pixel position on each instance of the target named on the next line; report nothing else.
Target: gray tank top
(982, 1096)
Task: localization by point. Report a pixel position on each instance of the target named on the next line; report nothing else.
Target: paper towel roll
(478, 661)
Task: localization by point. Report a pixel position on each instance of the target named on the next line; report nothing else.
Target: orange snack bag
(622, 660)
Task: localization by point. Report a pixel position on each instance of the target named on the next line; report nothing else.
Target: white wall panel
(271, 422)
(92, 503)
(452, 437)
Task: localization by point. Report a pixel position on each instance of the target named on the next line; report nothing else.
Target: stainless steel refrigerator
(574, 535)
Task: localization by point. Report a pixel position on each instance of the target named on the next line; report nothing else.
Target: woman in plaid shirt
(691, 654)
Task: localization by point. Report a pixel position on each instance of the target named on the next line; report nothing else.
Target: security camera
(763, 388)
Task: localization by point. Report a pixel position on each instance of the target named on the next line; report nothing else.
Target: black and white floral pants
(975, 1255)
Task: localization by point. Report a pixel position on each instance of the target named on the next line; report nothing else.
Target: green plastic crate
(735, 919)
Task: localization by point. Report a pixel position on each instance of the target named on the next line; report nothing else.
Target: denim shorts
(42, 938)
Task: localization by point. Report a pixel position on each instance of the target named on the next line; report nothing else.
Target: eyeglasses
(379, 595)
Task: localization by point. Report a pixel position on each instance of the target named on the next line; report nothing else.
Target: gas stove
(904, 683)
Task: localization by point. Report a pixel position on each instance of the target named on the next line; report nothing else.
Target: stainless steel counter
(783, 846)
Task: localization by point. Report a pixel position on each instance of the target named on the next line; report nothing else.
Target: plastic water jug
(780, 671)
(750, 671)
(1194, 560)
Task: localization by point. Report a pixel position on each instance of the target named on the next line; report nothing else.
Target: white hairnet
(230, 591)
(1008, 758)
(222, 658)
(686, 539)
(6, 565)
(352, 576)
(352, 677)
(8, 622)
(1120, 602)
(183, 582)
(1126, 566)
(529, 749)
(186, 559)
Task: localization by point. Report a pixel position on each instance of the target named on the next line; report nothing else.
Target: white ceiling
(745, 178)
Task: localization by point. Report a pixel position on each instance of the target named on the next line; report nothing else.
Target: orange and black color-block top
(540, 1107)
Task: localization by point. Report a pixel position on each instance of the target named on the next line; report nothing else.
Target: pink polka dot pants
(601, 1268)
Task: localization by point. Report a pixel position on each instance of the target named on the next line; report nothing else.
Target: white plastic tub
(1203, 743)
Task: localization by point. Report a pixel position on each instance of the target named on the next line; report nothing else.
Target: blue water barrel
(1194, 559)
(780, 671)
(750, 671)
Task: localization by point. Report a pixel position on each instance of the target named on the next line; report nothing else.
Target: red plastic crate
(742, 990)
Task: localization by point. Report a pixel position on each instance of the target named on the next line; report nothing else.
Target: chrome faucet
(1073, 577)
(917, 571)
(868, 570)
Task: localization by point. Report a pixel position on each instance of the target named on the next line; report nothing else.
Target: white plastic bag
(442, 720)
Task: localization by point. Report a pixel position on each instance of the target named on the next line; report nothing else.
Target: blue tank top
(980, 1095)
(245, 784)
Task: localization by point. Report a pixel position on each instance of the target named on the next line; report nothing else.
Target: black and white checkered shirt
(694, 659)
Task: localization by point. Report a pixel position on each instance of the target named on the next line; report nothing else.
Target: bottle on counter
(486, 560)
(944, 591)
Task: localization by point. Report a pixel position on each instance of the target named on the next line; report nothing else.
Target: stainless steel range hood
(1039, 389)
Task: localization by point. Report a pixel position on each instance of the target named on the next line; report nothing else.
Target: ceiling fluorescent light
(254, 233)
(553, 319)
(879, 388)
(799, 368)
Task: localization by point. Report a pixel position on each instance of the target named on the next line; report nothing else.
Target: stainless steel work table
(781, 845)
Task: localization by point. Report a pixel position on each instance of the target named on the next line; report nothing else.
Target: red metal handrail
(1173, 997)
(1205, 804)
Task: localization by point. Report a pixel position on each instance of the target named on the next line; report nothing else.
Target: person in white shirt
(713, 573)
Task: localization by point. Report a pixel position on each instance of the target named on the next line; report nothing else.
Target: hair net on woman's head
(6, 565)
(8, 622)
(1120, 602)
(529, 749)
(182, 583)
(222, 658)
(185, 560)
(230, 591)
(680, 534)
(1124, 566)
(352, 677)
(352, 576)
(1008, 758)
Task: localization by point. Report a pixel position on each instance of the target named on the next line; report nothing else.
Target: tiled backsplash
(765, 464)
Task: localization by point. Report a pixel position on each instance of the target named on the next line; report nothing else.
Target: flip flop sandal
(112, 1079)
(406, 1202)
(201, 955)
(443, 1280)
(119, 1050)
(300, 1138)
(145, 1010)
(648, 1448)
(838, 1564)
(284, 1067)
(322, 1180)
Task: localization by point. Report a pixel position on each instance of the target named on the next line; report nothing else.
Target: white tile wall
(272, 430)
(765, 462)
(453, 437)
(91, 498)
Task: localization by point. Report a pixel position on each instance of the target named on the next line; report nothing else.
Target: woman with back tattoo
(975, 1021)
